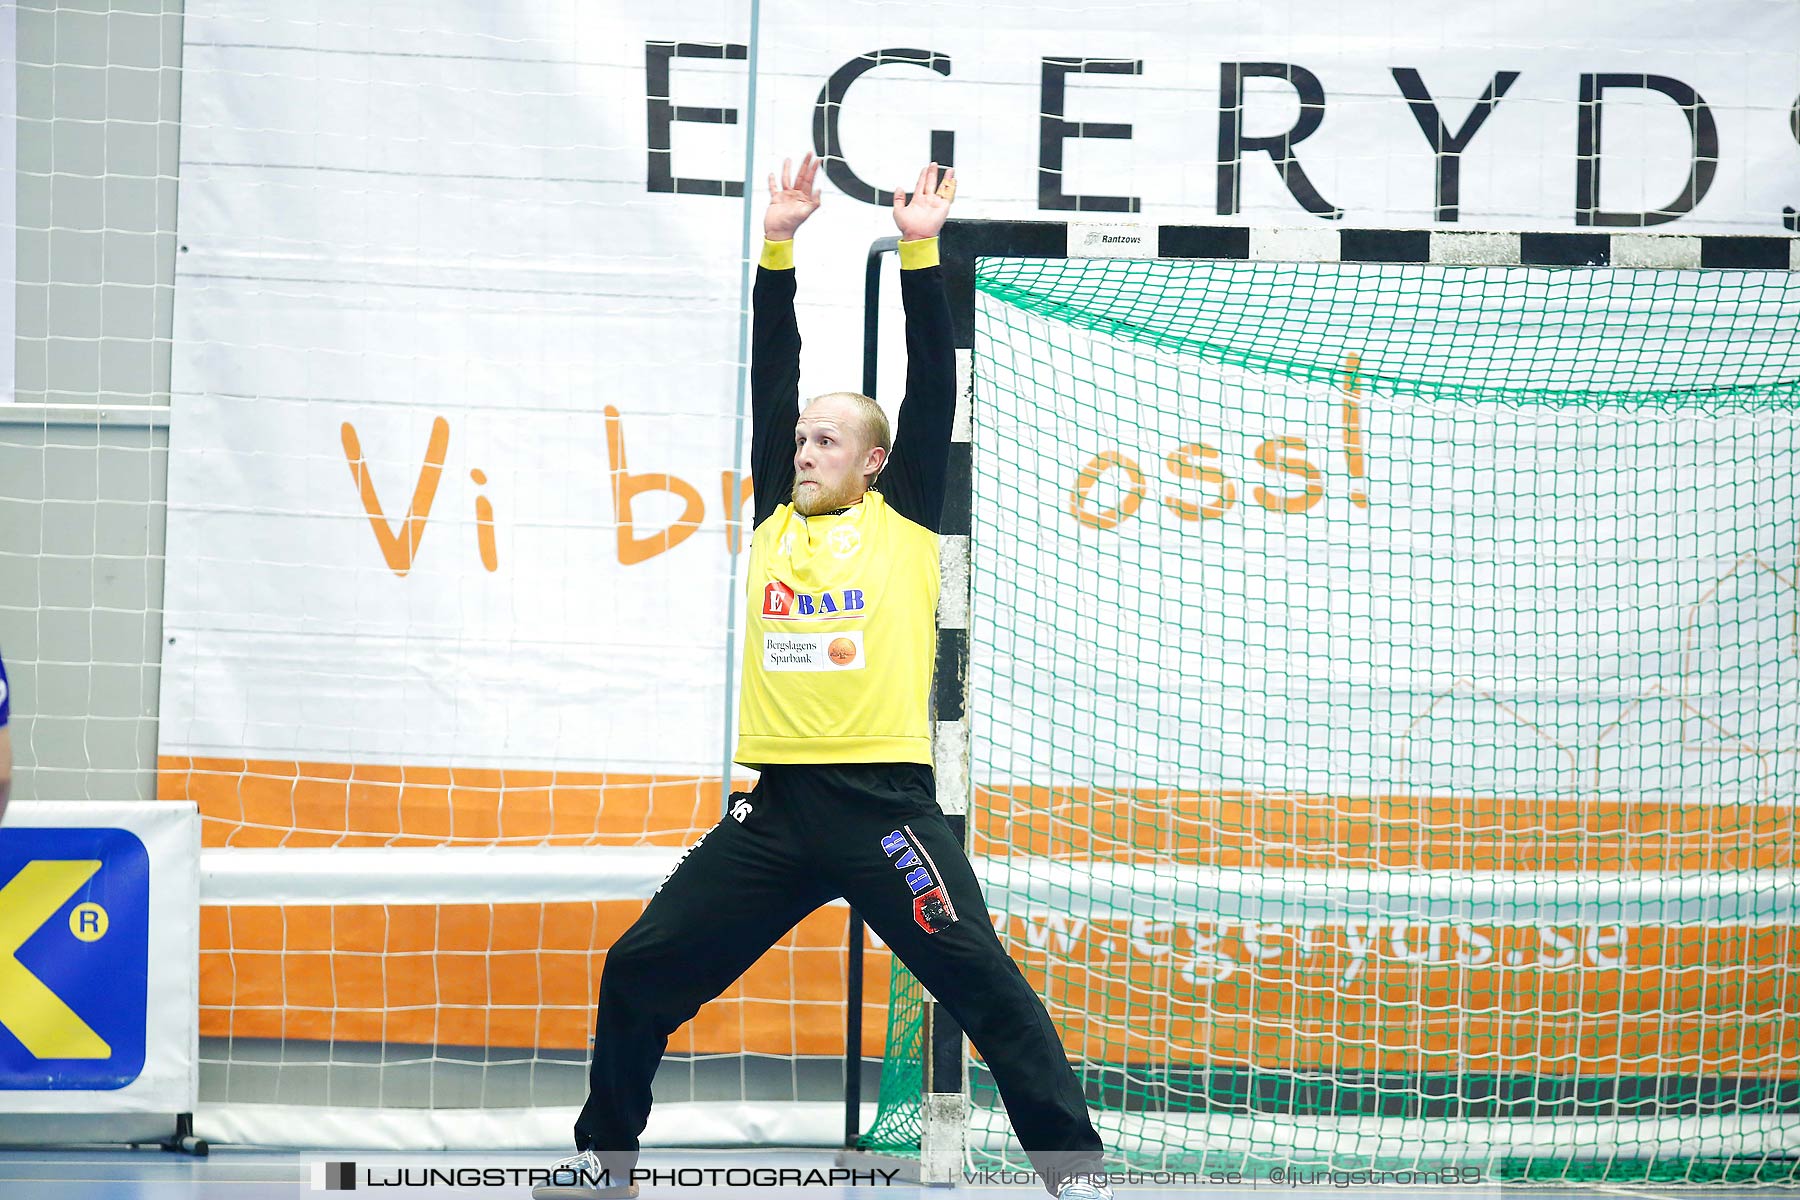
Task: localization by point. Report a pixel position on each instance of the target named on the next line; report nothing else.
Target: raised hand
(925, 214)
(796, 199)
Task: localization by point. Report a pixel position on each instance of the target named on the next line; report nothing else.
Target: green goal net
(1385, 709)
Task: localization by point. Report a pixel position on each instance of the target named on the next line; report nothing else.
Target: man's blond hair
(869, 418)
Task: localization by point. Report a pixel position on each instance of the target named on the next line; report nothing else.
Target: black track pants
(873, 834)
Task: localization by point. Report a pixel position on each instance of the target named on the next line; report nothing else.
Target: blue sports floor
(258, 1174)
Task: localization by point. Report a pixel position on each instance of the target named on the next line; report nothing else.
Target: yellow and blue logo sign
(74, 958)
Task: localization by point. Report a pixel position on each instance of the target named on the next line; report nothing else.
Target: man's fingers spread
(921, 189)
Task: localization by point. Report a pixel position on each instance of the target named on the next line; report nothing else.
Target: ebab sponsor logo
(783, 603)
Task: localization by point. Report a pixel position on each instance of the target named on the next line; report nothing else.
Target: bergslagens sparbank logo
(74, 958)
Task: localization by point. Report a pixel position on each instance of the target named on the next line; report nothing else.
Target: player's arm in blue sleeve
(913, 482)
(5, 741)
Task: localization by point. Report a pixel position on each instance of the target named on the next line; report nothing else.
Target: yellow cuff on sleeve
(778, 256)
(922, 253)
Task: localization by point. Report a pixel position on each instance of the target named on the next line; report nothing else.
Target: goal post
(1382, 693)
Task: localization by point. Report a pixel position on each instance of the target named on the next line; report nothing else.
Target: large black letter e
(1054, 130)
(663, 115)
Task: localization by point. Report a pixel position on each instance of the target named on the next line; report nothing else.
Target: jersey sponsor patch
(783, 603)
(932, 910)
(813, 651)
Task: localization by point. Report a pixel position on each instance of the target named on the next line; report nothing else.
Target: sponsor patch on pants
(932, 909)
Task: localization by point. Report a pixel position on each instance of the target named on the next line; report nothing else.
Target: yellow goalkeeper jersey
(841, 638)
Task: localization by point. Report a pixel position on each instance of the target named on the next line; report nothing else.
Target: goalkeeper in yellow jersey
(840, 639)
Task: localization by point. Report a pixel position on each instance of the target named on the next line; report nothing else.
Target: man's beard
(824, 498)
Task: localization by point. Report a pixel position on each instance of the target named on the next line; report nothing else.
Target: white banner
(100, 947)
(434, 340)
(457, 335)
(1206, 576)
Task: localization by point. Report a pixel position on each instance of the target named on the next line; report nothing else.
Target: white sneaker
(579, 1177)
(1081, 1187)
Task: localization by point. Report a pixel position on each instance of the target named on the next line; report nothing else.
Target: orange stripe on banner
(501, 975)
(1418, 997)
(1344, 997)
(1279, 829)
(270, 803)
(1363, 997)
(253, 802)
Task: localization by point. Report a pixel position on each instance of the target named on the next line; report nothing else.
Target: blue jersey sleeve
(5, 697)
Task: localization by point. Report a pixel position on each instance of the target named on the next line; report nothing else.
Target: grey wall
(83, 451)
